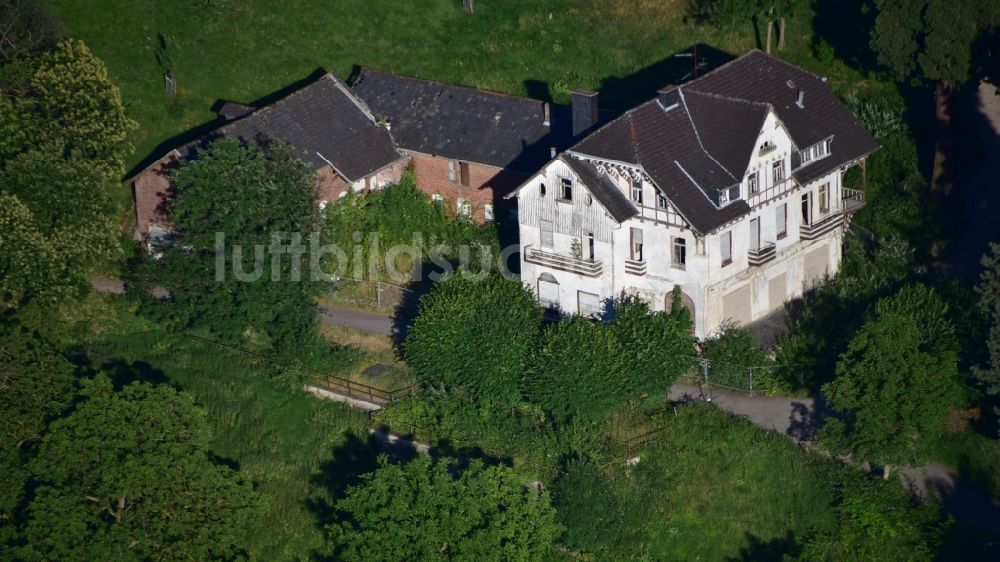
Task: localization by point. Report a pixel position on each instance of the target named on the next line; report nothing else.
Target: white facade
(573, 252)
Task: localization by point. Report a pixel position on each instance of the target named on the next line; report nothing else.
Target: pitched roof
(762, 78)
(697, 139)
(606, 192)
(324, 123)
(461, 122)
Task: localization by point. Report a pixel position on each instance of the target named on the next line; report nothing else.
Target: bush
(476, 335)
(655, 347)
(420, 511)
(586, 506)
(733, 352)
(401, 214)
(576, 373)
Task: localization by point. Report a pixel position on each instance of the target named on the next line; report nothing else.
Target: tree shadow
(124, 373)
(846, 25)
(348, 463)
(625, 92)
(778, 549)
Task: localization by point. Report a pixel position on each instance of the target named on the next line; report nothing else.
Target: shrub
(655, 347)
(419, 511)
(586, 506)
(733, 352)
(477, 335)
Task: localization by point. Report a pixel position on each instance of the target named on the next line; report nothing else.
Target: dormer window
(566, 189)
(637, 191)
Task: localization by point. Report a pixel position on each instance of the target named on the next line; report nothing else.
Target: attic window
(541, 190)
(637, 192)
(566, 191)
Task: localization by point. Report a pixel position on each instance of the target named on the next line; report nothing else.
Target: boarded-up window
(781, 220)
(589, 304)
(546, 227)
(463, 168)
(824, 198)
(755, 234)
(776, 292)
(464, 208)
(548, 291)
(488, 212)
(815, 266)
(451, 170)
(736, 305)
(726, 246)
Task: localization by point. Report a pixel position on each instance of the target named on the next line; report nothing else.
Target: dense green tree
(127, 476)
(929, 40)
(28, 261)
(896, 389)
(877, 520)
(26, 28)
(66, 105)
(36, 384)
(246, 285)
(71, 210)
(989, 302)
(656, 347)
(475, 334)
(419, 511)
(577, 371)
(587, 507)
(924, 305)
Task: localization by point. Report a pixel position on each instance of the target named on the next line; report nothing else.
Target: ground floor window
(548, 291)
(589, 304)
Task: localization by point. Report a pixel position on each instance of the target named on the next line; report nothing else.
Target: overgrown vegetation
(396, 234)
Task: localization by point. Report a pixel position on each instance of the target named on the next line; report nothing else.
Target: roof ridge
(263, 110)
(697, 135)
(366, 69)
(728, 98)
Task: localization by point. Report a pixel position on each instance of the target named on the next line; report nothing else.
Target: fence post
(750, 371)
(378, 293)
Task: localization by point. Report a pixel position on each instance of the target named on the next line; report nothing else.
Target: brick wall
(486, 185)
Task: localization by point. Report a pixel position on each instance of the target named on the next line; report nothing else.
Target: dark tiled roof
(461, 122)
(701, 141)
(762, 78)
(607, 193)
(232, 110)
(728, 128)
(324, 124)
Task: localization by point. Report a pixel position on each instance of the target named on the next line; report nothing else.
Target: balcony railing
(635, 267)
(765, 253)
(767, 149)
(821, 227)
(853, 200)
(587, 268)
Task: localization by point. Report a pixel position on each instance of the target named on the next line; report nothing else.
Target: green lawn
(297, 449)
(247, 50)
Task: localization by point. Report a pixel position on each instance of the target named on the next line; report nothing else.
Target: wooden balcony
(635, 267)
(765, 253)
(821, 227)
(587, 268)
(853, 200)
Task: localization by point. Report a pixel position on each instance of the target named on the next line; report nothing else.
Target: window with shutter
(463, 168)
(781, 220)
(726, 244)
(636, 235)
(546, 227)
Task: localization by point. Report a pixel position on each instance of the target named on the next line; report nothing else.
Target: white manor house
(729, 186)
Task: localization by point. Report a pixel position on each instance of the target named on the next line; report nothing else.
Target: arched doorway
(686, 302)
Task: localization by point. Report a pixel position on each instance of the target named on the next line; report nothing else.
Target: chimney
(548, 118)
(801, 102)
(584, 107)
(552, 152)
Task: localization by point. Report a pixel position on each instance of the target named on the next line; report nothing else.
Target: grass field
(285, 440)
(248, 50)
